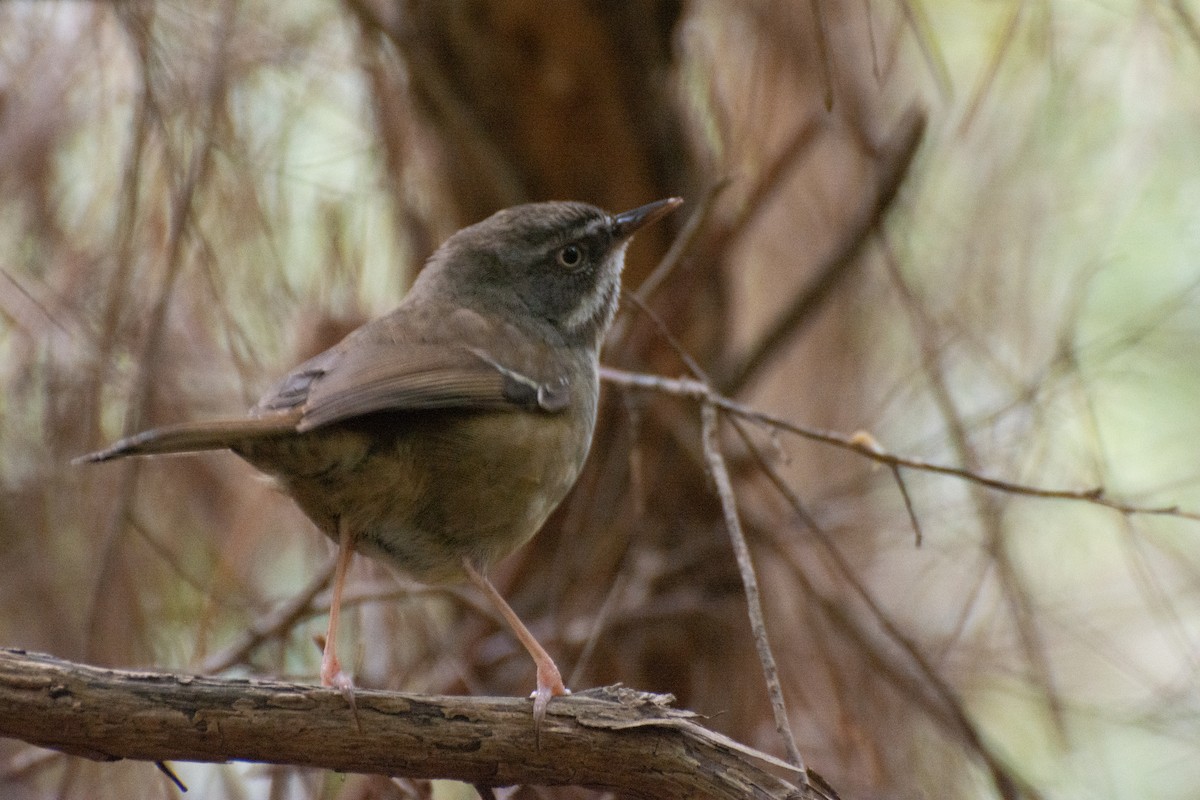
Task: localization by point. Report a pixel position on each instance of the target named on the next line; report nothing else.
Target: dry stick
(857, 443)
(716, 466)
(630, 742)
(165, 769)
(165, 554)
(10, 311)
(308, 602)
(1002, 46)
(1008, 785)
(128, 208)
(908, 505)
(598, 626)
(680, 248)
(772, 178)
(943, 706)
(918, 20)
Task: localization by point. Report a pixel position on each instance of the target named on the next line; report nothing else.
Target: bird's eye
(570, 256)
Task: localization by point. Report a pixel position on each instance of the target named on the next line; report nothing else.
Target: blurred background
(969, 230)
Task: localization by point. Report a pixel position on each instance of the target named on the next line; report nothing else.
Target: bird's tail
(193, 437)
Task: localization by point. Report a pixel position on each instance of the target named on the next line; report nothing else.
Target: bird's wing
(383, 376)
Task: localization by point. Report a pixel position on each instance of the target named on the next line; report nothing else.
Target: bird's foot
(332, 675)
(336, 679)
(549, 684)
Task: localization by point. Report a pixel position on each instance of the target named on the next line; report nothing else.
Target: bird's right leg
(331, 668)
(549, 681)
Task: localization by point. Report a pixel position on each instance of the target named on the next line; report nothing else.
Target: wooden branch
(612, 738)
(865, 445)
(711, 436)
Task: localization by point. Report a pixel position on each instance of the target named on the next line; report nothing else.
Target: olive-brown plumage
(439, 438)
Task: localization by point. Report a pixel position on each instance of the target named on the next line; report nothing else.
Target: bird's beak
(627, 223)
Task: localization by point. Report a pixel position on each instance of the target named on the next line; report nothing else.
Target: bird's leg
(331, 668)
(549, 681)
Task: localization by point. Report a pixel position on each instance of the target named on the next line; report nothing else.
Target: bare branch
(617, 739)
(933, 694)
(908, 505)
(720, 475)
(865, 446)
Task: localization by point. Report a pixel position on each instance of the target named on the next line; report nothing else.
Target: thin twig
(720, 474)
(772, 178)
(271, 625)
(908, 505)
(597, 625)
(918, 20)
(821, 34)
(696, 390)
(891, 165)
(1188, 21)
(165, 769)
(1001, 48)
(672, 341)
(935, 696)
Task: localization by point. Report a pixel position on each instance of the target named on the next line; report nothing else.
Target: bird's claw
(549, 684)
(333, 677)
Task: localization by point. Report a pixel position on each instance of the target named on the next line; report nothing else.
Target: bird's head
(556, 263)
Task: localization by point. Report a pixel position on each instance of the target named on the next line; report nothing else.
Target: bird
(439, 437)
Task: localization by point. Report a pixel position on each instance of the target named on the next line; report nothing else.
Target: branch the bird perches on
(613, 738)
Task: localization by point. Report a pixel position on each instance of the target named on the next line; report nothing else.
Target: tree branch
(758, 627)
(617, 739)
(865, 445)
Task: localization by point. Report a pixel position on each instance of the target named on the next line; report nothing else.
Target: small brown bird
(438, 438)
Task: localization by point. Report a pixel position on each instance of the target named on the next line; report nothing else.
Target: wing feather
(375, 378)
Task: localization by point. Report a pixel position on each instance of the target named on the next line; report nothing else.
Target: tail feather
(194, 437)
